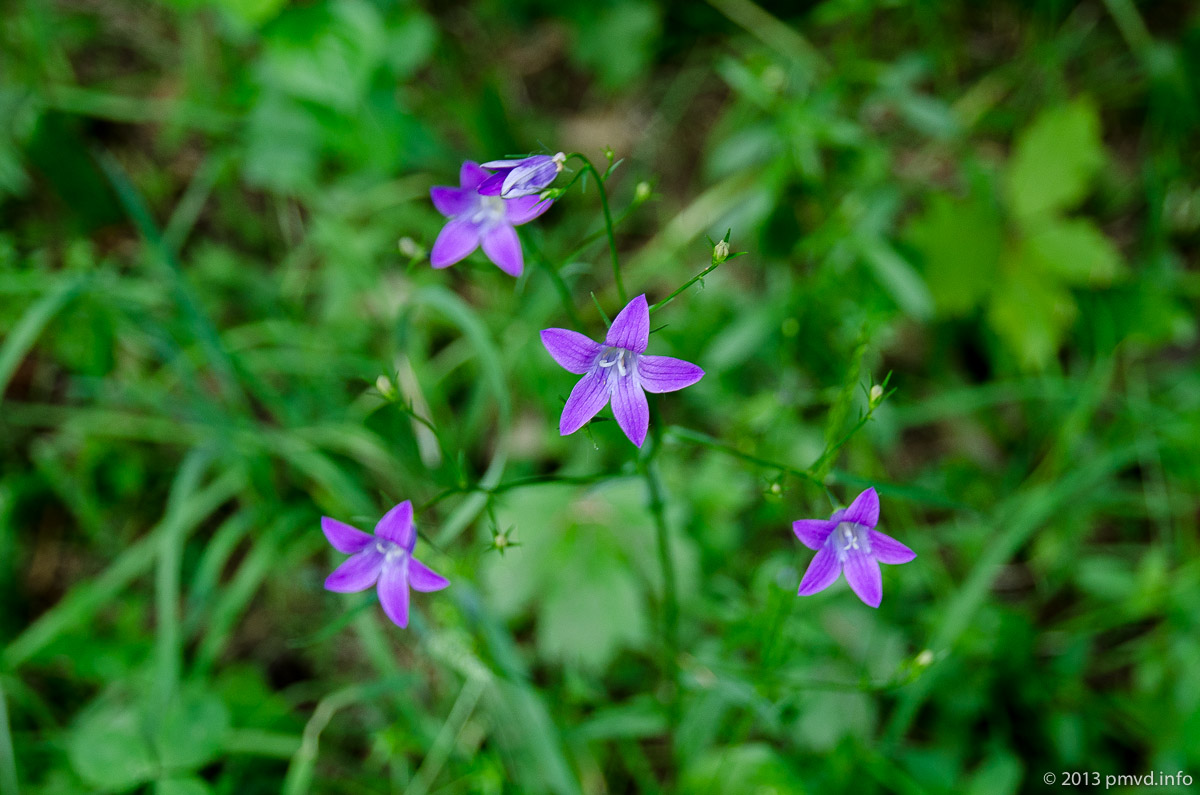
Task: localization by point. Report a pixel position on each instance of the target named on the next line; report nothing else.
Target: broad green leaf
(828, 717)
(961, 242)
(618, 41)
(252, 13)
(1054, 160)
(1074, 251)
(192, 730)
(1030, 314)
(741, 770)
(107, 746)
(1000, 774)
(181, 786)
(593, 608)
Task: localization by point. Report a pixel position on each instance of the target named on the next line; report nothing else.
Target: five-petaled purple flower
(384, 558)
(617, 370)
(524, 177)
(848, 541)
(477, 220)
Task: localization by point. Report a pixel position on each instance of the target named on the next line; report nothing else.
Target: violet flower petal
(397, 526)
(450, 201)
(631, 327)
(666, 374)
(573, 351)
(864, 510)
(393, 592)
(357, 573)
(888, 550)
(503, 247)
(822, 571)
(505, 164)
(493, 185)
(588, 397)
(424, 579)
(471, 176)
(813, 532)
(343, 537)
(525, 209)
(862, 572)
(457, 239)
(631, 410)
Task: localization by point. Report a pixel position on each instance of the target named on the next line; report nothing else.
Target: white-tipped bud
(720, 252)
(876, 395)
(925, 659)
(386, 387)
(411, 248)
(641, 192)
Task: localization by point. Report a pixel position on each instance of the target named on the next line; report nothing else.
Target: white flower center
(622, 358)
(849, 536)
(489, 211)
(391, 551)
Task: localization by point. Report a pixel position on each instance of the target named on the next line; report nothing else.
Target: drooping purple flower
(477, 220)
(514, 178)
(618, 370)
(848, 542)
(384, 559)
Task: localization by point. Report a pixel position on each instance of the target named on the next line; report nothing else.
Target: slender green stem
(670, 598)
(608, 224)
(690, 282)
(695, 437)
(518, 483)
(564, 292)
(8, 760)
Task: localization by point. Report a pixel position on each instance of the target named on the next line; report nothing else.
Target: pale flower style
(477, 220)
(848, 542)
(618, 370)
(384, 559)
(525, 177)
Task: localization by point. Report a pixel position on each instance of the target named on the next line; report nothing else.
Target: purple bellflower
(477, 220)
(848, 542)
(384, 559)
(618, 370)
(514, 178)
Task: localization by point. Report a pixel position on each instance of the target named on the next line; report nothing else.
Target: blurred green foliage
(213, 219)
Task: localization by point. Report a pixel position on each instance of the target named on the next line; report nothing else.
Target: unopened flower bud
(386, 387)
(641, 192)
(410, 248)
(876, 395)
(720, 252)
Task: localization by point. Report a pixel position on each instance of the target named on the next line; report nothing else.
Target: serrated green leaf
(1054, 160)
(960, 242)
(1074, 251)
